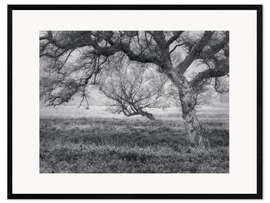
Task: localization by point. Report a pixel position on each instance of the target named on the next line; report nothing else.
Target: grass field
(117, 145)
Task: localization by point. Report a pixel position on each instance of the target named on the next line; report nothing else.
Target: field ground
(80, 143)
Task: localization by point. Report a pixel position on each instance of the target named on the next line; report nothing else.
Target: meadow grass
(111, 145)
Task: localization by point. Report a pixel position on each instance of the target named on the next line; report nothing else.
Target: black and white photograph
(134, 101)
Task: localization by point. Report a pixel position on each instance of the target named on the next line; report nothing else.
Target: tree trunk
(188, 99)
(193, 127)
(192, 124)
(147, 115)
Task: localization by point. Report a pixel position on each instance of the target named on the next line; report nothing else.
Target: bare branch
(131, 93)
(221, 69)
(177, 45)
(195, 52)
(175, 36)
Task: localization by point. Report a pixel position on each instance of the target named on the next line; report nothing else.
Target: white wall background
(3, 76)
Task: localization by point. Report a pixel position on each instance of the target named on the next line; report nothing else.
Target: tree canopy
(75, 59)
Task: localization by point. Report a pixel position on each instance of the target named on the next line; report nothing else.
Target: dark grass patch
(127, 146)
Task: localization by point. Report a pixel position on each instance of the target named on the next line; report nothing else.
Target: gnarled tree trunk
(192, 125)
(195, 131)
(188, 99)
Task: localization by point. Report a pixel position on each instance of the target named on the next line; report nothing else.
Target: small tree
(133, 90)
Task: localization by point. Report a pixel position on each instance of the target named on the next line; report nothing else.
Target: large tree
(77, 59)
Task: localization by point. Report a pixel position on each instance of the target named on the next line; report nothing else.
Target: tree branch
(174, 37)
(195, 52)
(143, 58)
(221, 70)
(177, 45)
(216, 48)
(159, 38)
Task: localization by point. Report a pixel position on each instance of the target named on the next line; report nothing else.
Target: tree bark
(147, 115)
(188, 99)
(194, 129)
(192, 125)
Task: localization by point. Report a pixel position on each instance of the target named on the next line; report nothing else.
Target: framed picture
(135, 101)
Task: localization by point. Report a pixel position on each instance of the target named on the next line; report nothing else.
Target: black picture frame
(258, 195)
